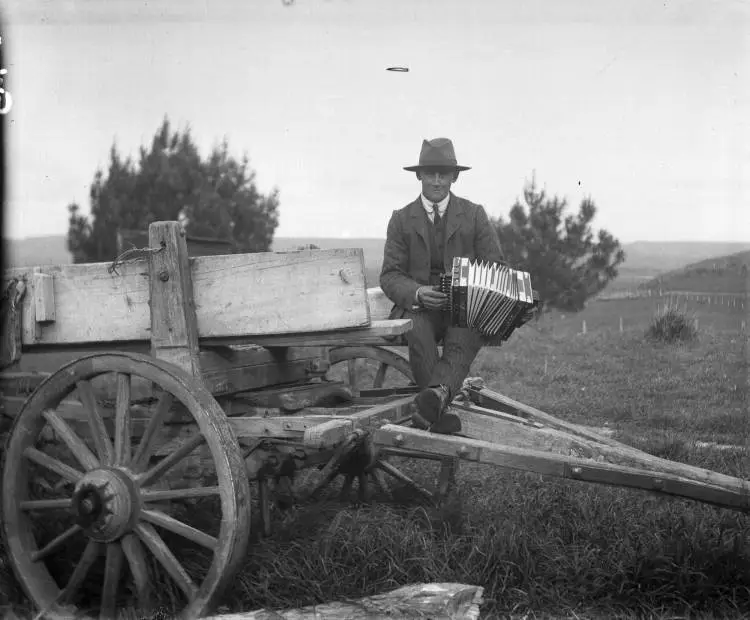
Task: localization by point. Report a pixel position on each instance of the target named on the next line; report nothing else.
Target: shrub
(672, 324)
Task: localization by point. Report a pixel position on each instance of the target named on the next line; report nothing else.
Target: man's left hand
(527, 316)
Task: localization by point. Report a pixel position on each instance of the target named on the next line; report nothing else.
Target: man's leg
(460, 347)
(422, 339)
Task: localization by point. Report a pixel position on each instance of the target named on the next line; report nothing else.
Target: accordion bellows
(487, 297)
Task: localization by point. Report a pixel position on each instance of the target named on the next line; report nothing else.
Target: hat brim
(418, 168)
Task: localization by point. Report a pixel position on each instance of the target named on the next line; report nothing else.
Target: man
(422, 240)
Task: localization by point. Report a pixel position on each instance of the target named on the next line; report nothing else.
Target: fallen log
(437, 601)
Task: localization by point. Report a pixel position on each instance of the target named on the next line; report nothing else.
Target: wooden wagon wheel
(363, 361)
(359, 459)
(81, 513)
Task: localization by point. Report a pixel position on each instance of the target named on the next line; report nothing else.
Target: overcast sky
(642, 105)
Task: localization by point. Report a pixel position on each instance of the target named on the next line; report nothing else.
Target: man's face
(436, 182)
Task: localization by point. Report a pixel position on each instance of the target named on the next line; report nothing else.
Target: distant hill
(644, 261)
(32, 251)
(668, 255)
(723, 274)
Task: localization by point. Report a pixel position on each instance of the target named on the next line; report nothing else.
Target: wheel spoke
(399, 475)
(55, 543)
(380, 376)
(447, 477)
(90, 554)
(122, 420)
(380, 481)
(157, 517)
(264, 500)
(163, 495)
(150, 435)
(46, 504)
(362, 487)
(158, 470)
(136, 557)
(96, 422)
(166, 558)
(112, 572)
(351, 369)
(51, 463)
(76, 445)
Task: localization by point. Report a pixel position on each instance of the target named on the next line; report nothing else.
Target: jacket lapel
(419, 222)
(455, 218)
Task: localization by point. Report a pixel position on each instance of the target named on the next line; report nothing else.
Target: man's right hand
(432, 299)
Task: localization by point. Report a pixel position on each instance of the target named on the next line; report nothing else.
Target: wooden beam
(735, 495)
(174, 325)
(287, 427)
(422, 600)
(297, 397)
(235, 295)
(377, 333)
(609, 449)
(332, 433)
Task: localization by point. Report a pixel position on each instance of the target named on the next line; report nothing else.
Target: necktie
(436, 214)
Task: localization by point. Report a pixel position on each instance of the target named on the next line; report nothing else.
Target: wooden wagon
(193, 377)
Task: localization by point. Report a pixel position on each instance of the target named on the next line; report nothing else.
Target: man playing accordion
(422, 239)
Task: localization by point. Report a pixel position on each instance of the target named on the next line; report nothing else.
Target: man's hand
(527, 316)
(431, 298)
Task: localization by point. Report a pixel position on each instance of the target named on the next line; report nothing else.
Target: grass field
(543, 547)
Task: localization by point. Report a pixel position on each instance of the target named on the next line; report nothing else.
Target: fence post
(696, 323)
(620, 324)
(583, 327)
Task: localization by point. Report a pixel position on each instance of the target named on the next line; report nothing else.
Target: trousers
(460, 347)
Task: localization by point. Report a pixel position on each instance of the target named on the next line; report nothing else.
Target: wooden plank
(330, 434)
(606, 447)
(730, 492)
(422, 600)
(380, 305)
(230, 370)
(44, 296)
(235, 295)
(377, 333)
(269, 293)
(224, 372)
(174, 325)
(287, 427)
(297, 397)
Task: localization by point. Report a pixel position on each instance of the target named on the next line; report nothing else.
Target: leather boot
(430, 411)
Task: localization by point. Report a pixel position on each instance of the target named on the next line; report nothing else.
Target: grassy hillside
(724, 274)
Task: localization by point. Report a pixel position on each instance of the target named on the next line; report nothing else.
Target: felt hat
(437, 153)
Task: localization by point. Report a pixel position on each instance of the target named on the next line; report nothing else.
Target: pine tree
(568, 263)
(213, 197)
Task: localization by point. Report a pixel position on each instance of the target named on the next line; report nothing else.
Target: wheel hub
(105, 503)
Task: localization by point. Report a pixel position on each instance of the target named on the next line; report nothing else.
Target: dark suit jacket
(406, 259)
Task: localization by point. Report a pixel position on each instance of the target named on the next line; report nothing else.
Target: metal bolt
(164, 276)
(463, 451)
(287, 425)
(577, 471)
(398, 440)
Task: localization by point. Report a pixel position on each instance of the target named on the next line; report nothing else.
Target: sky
(641, 105)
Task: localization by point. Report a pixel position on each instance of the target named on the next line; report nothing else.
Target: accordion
(488, 297)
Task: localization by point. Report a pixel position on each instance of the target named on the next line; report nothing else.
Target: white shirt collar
(442, 205)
